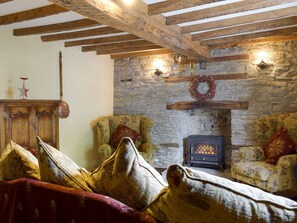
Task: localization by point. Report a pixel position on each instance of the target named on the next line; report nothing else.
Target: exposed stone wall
(272, 90)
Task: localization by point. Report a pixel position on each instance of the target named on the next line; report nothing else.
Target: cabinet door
(19, 126)
(46, 124)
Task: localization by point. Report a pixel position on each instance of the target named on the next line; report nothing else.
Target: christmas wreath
(193, 88)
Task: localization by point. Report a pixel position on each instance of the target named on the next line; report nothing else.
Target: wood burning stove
(205, 151)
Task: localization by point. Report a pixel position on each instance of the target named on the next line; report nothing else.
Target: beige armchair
(108, 127)
(252, 168)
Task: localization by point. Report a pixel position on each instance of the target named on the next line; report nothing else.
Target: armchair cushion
(124, 131)
(280, 144)
(252, 153)
(257, 170)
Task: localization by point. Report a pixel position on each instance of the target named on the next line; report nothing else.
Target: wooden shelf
(220, 59)
(230, 105)
(237, 76)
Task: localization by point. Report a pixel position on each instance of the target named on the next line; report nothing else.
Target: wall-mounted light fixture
(202, 63)
(158, 72)
(262, 60)
(158, 64)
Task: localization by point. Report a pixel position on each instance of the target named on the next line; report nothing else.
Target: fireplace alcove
(204, 125)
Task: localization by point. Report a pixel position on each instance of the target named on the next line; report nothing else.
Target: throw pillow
(127, 177)
(195, 196)
(280, 144)
(121, 132)
(17, 162)
(57, 168)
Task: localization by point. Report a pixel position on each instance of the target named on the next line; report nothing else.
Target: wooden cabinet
(23, 120)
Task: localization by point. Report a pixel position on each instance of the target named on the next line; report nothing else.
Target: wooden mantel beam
(231, 105)
(137, 23)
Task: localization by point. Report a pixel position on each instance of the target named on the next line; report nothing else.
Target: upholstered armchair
(113, 128)
(270, 165)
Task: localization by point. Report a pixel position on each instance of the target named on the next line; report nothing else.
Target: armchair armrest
(147, 148)
(287, 161)
(251, 153)
(284, 176)
(104, 151)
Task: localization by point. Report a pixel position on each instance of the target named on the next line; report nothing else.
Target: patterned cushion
(195, 196)
(121, 132)
(280, 144)
(127, 177)
(17, 162)
(57, 168)
(132, 121)
(256, 170)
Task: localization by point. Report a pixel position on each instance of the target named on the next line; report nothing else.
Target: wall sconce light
(179, 58)
(262, 64)
(158, 64)
(158, 72)
(262, 60)
(202, 63)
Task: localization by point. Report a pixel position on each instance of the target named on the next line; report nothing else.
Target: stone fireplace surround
(268, 91)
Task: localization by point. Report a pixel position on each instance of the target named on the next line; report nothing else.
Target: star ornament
(23, 92)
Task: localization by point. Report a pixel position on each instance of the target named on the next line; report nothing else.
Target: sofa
(125, 188)
(270, 164)
(112, 129)
(34, 201)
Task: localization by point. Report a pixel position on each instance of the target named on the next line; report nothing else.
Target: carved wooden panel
(17, 126)
(23, 120)
(46, 123)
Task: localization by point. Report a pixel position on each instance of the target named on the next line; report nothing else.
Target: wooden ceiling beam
(270, 39)
(167, 6)
(274, 14)
(80, 34)
(128, 49)
(4, 1)
(59, 27)
(32, 14)
(141, 54)
(243, 37)
(112, 46)
(271, 24)
(221, 10)
(136, 23)
(101, 40)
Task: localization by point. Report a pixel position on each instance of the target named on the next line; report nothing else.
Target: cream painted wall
(87, 85)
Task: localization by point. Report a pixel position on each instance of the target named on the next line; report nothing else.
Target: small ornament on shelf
(23, 90)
